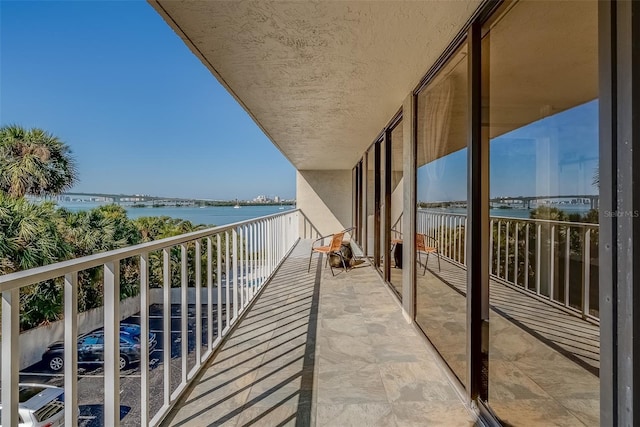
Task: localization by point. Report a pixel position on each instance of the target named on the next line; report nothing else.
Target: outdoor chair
(334, 248)
(396, 247)
(424, 244)
(428, 245)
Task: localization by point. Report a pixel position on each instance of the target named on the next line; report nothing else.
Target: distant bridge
(526, 200)
(133, 198)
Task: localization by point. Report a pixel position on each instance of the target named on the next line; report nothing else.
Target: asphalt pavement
(91, 376)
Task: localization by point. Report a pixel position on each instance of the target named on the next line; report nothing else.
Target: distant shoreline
(204, 204)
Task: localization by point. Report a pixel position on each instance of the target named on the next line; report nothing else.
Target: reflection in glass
(541, 118)
(396, 207)
(440, 221)
(370, 212)
(382, 225)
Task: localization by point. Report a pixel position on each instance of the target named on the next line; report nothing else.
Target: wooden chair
(332, 249)
(428, 245)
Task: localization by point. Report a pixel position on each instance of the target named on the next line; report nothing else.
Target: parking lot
(91, 376)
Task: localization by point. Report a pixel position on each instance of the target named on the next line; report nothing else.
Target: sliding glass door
(441, 187)
(540, 86)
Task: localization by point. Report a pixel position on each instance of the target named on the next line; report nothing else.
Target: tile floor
(319, 350)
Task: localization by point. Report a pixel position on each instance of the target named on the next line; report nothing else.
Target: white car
(39, 405)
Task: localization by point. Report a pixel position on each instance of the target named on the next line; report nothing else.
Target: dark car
(91, 350)
(135, 330)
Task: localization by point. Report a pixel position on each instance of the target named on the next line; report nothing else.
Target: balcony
(322, 350)
(262, 341)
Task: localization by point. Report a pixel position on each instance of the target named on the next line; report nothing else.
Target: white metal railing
(554, 260)
(249, 252)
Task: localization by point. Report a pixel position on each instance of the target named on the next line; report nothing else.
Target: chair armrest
(320, 239)
(431, 241)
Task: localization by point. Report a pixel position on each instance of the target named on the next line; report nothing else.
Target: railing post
(10, 356)
(144, 340)
(250, 266)
(184, 312)
(586, 279)
(526, 258)
(464, 252)
(506, 251)
(227, 290)
(112, 344)
(515, 254)
(461, 229)
(198, 303)
(71, 349)
(240, 268)
(567, 264)
(234, 260)
(491, 248)
(538, 256)
(552, 263)
(219, 282)
(209, 295)
(499, 248)
(166, 324)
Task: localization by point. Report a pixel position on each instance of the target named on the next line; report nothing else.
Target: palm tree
(30, 237)
(34, 162)
(101, 229)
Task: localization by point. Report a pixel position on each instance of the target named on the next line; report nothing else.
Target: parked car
(39, 405)
(136, 330)
(91, 350)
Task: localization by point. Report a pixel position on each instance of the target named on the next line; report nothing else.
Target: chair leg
(344, 265)
(310, 256)
(426, 262)
(438, 254)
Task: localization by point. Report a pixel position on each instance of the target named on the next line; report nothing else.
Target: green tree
(30, 237)
(33, 161)
(98, 230)
(155, 228)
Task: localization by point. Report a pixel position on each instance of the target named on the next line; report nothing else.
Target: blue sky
(555, 156)
(139, 110)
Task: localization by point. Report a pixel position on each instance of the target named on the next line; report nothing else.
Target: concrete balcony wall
(325, 198)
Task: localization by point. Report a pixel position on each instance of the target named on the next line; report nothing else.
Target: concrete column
(324, 196)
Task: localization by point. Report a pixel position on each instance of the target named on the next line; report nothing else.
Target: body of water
(207, 215)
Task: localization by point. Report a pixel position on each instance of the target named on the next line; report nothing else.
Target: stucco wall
(156, 295)
(324, 196)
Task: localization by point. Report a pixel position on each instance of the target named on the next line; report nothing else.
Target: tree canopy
(33, 161)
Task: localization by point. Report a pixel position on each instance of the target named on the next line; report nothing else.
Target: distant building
(261, 199)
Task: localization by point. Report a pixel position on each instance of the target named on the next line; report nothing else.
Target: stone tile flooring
(323, 350)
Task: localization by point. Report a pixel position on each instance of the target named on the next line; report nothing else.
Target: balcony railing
(555, 261)
(231, 265)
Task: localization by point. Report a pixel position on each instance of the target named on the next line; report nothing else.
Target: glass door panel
(541, 117)
(395, 208)
(441, 211)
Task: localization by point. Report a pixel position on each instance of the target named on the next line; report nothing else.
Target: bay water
(206, 215)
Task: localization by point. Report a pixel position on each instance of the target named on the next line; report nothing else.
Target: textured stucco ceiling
(320, 78)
